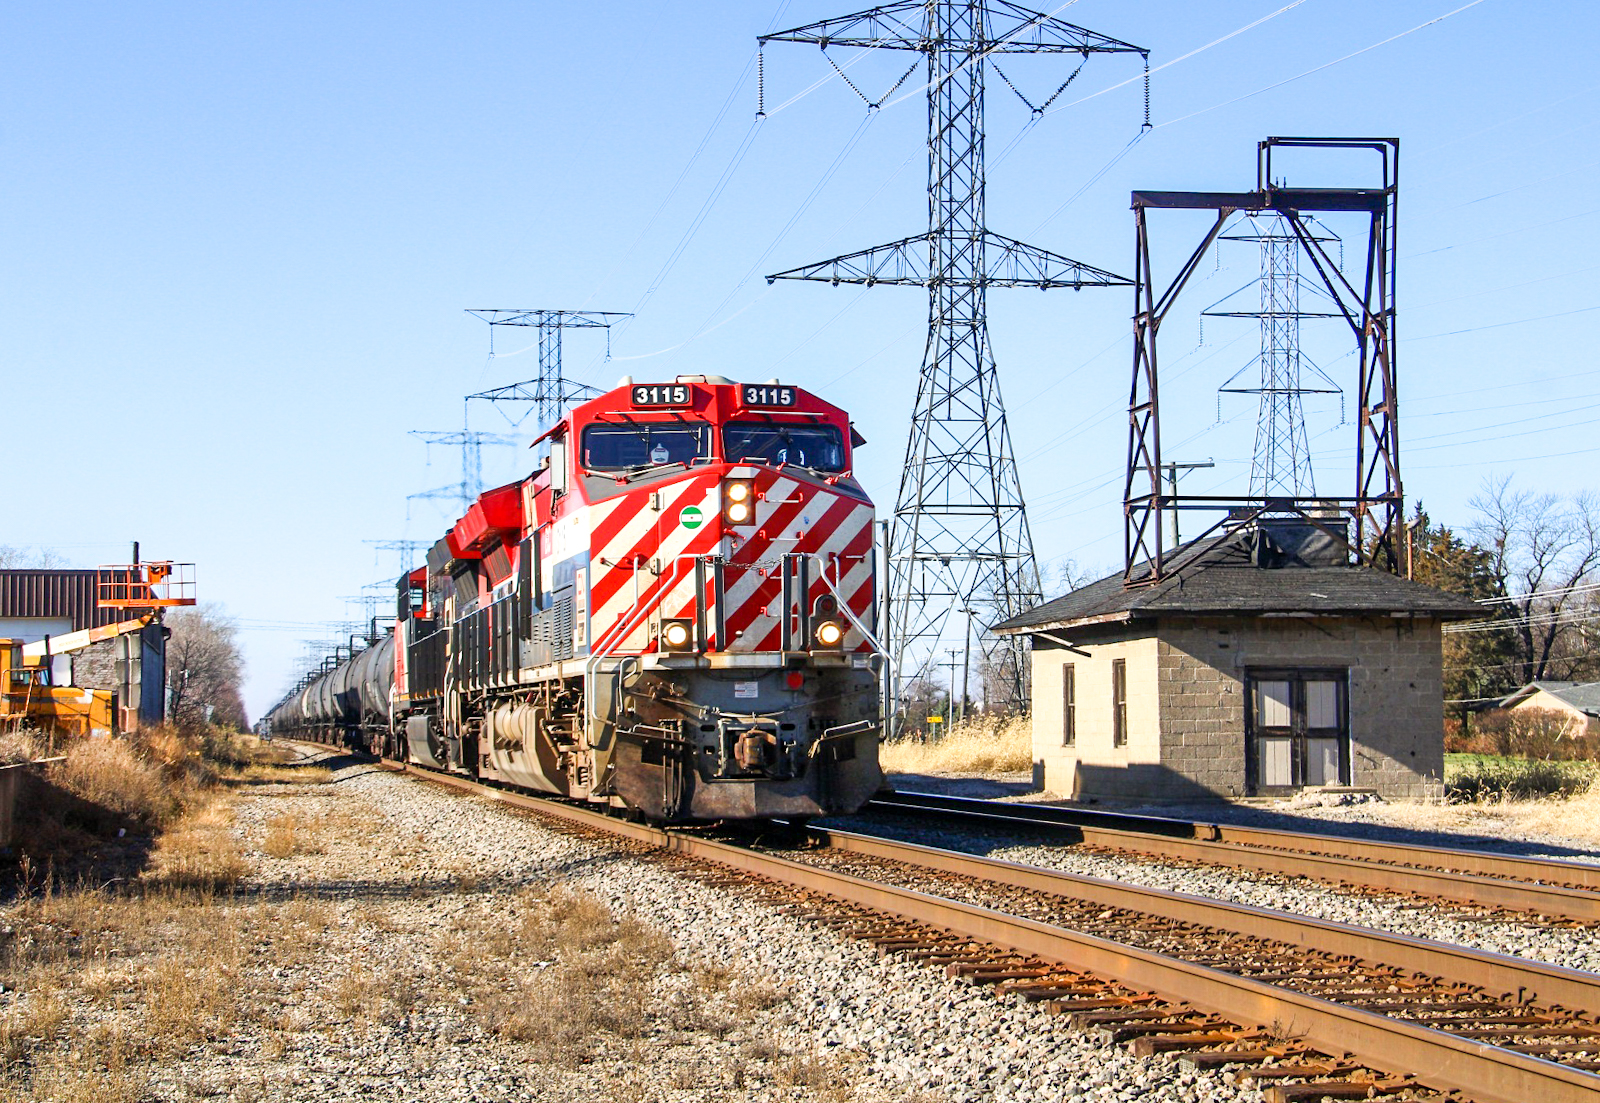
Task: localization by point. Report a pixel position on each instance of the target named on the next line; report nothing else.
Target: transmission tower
(405, 549)
(471, 443)
(1281, 463)
(550, 394)
(960, 533)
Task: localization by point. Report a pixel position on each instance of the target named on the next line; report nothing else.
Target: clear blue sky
(239, 239)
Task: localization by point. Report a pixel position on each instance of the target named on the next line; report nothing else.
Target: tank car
(674, 615)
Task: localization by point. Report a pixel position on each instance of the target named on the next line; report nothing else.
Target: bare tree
(205, 670)
(26, 558)
(1542, 547)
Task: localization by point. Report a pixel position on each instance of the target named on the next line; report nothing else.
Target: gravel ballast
(1572, 947)
(872, 1027)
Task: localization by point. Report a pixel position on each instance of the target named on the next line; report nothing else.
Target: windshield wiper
(641, 468)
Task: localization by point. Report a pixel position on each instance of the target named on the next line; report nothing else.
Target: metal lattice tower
(550, 394)
(959, 534)
(471, 443)
(1281, 463)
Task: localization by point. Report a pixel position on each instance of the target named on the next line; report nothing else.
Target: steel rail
(1472, 888)
(1486, 1073)
(1487, 862)
(1518, 977)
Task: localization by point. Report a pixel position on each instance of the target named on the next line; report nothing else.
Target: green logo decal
(691, 518)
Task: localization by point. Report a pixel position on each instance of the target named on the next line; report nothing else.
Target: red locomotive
(675, 615)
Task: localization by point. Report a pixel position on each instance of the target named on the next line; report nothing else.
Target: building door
(1298, 731)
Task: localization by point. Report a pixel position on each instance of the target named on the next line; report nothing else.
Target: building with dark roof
(1578, 700)
(1261, 664)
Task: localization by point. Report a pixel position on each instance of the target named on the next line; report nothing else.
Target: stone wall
(1396, 696)
(1187, 703)
(95, 666)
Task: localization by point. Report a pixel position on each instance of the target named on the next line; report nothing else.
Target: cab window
(637, 445)
(818, 447)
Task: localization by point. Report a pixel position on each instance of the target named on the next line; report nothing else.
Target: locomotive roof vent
(625, 381)
(714, 379)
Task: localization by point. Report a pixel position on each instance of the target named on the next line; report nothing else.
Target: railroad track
(1305, 1008)
(1485, 880)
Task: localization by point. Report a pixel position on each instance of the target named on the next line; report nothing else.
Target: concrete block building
(1262, 664)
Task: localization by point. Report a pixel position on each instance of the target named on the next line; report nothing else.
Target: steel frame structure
(959, 532)
(1367, 306)
(550, 394)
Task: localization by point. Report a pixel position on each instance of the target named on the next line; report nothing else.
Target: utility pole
(406, 549)
(955, 710)
(966, 662)
(960, 531)
(550, 394)
(1172, 470)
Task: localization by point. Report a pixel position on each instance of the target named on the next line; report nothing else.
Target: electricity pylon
(471, 443)
(550, 394)
(959, 534)
(1281, 464)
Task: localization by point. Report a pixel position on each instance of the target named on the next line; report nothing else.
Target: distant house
(1261, 664)
(1579, 700)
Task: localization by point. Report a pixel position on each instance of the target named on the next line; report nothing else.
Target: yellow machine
(28, 699)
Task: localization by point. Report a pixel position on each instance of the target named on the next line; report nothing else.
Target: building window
(1069, 705)
(1119, 702)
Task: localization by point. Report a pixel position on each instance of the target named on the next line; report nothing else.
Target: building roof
(43, 593)
(1250, 571)
(1583, 696)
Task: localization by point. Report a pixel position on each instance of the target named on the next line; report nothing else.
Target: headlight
(677, 635)
(738, 502)
(828, 633)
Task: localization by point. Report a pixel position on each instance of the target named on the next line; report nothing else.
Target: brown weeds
(983, 745)
(199, 852)
(294, 833)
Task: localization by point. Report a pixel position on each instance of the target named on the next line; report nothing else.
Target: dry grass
(101, 983)
(984, 745)
(199, 852)
(1576, 818)
(131, 786)
(111, 774)
(282, 775)
(293, 833)
(559, 972)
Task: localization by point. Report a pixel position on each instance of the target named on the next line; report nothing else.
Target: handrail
(844, 607)
(599, 651)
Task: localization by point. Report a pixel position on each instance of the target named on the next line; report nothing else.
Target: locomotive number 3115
(661, 394)
(768, 396)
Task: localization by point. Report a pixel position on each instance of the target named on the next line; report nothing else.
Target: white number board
(661, 394)
(767, 395)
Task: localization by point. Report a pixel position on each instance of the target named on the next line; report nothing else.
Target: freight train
(674, 615)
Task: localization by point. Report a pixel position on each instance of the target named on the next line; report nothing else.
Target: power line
(1319, 68)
